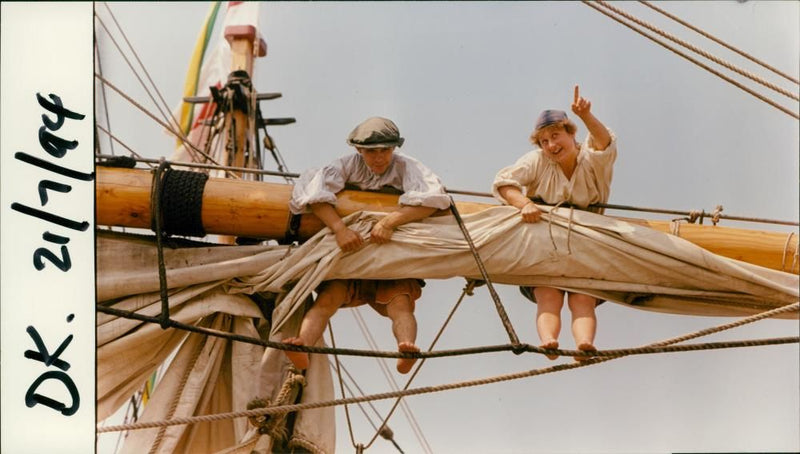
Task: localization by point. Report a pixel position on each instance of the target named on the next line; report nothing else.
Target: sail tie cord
(569, 225)
(698, 63)
(716, 214)
(662, 346)
(699, 51)
(720, 42)
(495, 297)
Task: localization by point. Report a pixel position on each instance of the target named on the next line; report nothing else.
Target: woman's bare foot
(404, 365)
(552, 344)
(585, 347)
(299, 359)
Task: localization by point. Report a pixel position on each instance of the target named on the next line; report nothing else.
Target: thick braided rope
(699, 51)
(446, 387)
(698, 63)
(720, 42)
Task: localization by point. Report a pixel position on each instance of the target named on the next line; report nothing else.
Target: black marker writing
(57, 147)
(42, 354)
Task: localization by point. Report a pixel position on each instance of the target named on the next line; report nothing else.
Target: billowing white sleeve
(318, 186)
(421, 187)
(519, 175)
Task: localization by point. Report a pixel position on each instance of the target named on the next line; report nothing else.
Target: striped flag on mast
(209, 69)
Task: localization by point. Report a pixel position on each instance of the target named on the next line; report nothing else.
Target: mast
(240, 103)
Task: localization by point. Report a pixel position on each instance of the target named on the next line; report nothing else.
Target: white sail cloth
(573, 250)
(205, 374)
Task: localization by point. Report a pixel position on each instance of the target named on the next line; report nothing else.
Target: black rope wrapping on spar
(182, 202)
(499, 305)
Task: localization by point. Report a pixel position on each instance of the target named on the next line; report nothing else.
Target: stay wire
(147, 90)
(103, 93)
(720, 42)
(144, 69)
(696, 62)
(699, 51)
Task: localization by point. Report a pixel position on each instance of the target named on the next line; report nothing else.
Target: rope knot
(716, 214)
(275, 425)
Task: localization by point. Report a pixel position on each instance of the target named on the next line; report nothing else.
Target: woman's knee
(581, 302)
(549, 297)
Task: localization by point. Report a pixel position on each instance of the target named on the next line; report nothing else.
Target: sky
(464, 82)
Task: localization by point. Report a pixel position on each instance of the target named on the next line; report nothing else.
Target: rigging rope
(512, 335)
(164, 125)
(144, 68)
(719, 41)
(699, 51)
(133, 70)
(660, 346)
(696, 62)
(389, 379)
(156, 214)
(467, 290)
(105, 98)
(435, 354)
(114, 138)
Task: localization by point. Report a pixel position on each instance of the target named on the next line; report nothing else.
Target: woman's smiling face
(558, 145)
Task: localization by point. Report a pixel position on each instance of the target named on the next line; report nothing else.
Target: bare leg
(549, 302)
(584, 322)
(315, 320)
(404, 326)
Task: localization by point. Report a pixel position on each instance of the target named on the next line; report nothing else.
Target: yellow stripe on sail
(149, 385)
(195, 65)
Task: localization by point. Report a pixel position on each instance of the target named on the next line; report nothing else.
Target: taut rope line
(512, 335)
(719, 41)
(458, 385)
(698, 63)
(442, 353)
(699, 51)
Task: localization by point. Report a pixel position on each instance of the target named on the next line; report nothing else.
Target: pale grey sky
(464, 82)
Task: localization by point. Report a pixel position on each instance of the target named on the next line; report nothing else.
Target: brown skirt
(376, 293)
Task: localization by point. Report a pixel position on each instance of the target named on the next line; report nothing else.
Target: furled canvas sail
(582, 251)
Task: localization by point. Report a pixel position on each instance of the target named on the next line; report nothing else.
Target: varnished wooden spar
(260, 210)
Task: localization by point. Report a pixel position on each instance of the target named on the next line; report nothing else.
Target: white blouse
(538, 176)
(420, 186)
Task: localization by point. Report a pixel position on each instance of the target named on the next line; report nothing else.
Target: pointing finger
(577, 93)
